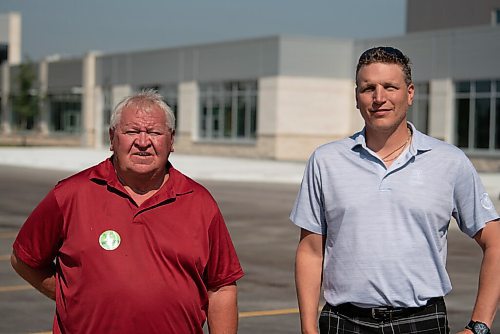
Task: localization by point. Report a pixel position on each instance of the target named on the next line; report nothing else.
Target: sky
(74, 27)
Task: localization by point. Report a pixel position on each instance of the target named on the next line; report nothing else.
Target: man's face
(141, 141)
(382, 96)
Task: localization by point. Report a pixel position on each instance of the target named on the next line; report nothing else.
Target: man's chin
(383, 125)
(142, 169)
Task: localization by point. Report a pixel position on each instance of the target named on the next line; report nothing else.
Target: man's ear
(111, 135)
(356, 95)
(172, 139)
(411, 93)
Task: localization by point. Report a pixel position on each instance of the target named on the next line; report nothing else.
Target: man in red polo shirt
(132, 245)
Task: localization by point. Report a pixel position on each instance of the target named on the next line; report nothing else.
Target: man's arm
(489, 287)
(41, 279)
(308, 278)
(223, 310)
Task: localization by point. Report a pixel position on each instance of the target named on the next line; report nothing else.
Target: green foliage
(25, 102)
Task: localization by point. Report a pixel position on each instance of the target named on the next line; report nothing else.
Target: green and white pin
(109, 240)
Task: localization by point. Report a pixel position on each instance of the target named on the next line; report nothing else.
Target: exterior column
(99, 118)
(43, 77)
(187, 111)
(441, 110)
(89, 114)
(6, 111)
(118, 93)
(14, 56)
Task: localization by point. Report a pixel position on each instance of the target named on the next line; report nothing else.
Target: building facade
(276, 97)
(428, 15)
(10, 38)
(10, 54)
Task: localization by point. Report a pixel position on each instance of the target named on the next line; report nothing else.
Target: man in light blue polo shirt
(374, 210)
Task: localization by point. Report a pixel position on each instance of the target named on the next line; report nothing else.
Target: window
(107, 103)
(228, 111)
(65, 112)
(418, 113)
(495, 17)
(477, 105)
(169, 93)
(4, 52)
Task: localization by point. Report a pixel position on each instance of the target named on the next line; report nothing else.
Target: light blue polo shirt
(387, 228)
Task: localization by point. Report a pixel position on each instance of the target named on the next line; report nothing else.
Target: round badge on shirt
(486, 201)
(109, 240)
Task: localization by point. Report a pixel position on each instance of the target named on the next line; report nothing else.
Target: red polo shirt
(150, 274)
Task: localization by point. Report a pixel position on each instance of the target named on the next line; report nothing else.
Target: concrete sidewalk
(197, 167)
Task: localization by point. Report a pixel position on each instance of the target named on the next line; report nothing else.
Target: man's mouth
(380, 111)
(143, 154)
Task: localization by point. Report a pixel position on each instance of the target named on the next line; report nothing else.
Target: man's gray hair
(144, 100)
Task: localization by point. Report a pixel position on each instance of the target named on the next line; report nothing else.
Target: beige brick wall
(312, 106)
(299, 147)
(263, 148)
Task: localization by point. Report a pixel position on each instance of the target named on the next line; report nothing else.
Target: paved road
(256, 214)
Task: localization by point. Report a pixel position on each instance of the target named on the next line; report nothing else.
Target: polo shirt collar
(105, 172)
(419, 143)
(176, 185)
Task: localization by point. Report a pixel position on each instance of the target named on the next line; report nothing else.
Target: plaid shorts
(347, 318)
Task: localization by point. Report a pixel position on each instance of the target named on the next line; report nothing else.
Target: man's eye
(131, 132)
(154, 133)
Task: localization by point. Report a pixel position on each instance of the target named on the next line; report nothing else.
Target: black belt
(381, 313)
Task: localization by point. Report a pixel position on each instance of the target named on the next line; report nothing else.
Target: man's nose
(143, 139)
(379, 95)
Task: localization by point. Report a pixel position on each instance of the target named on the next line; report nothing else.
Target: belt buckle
(381, 313)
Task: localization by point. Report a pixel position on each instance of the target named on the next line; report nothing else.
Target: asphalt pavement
(265, 240)
(255, 202)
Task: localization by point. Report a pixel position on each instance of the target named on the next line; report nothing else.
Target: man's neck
(383, 142)
(143, 183)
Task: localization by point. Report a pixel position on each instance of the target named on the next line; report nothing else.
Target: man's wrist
(478, 327)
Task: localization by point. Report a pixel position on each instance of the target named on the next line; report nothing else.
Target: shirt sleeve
(223, 267)
(473, 207)
(40, 236)
(308, 211)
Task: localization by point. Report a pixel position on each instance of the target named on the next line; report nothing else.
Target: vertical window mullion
(208, 121)
(234, 110)
(493, 115)
(248, 111)
(214, 115)
(472, 116)
(221, 112)
(491, 145)
(253, 113)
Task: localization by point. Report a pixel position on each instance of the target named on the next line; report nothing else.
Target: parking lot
(257, 217)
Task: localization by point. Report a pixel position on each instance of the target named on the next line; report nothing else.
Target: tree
(25, 102)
